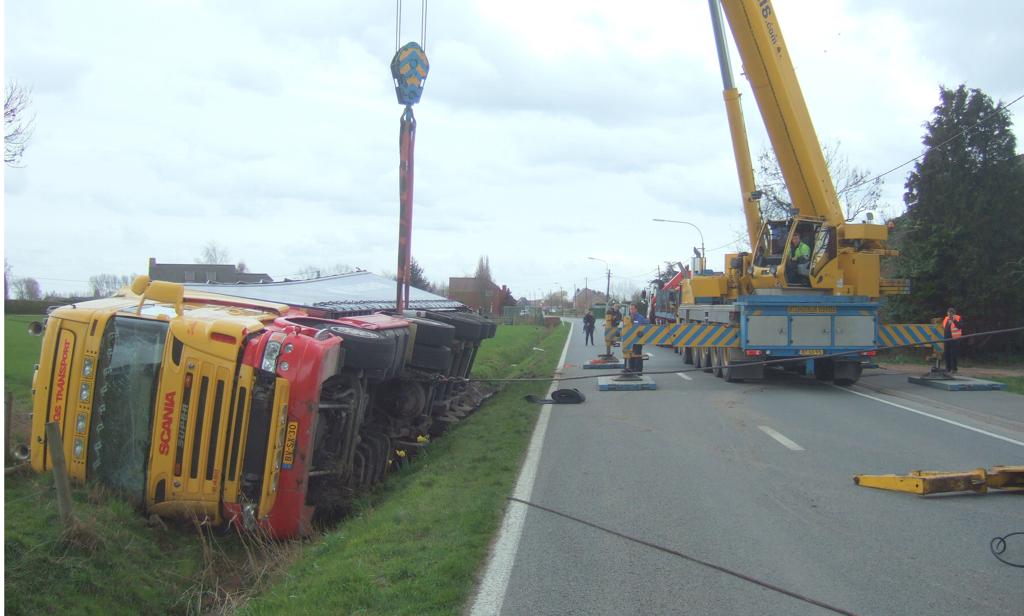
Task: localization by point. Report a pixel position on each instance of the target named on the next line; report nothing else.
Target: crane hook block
(409, 68)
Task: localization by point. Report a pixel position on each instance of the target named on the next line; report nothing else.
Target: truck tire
(432, 333)
(716, 362)
(467, 326)
(367, 350)
(434, 359)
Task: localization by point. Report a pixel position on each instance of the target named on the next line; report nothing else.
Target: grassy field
(21, 353)
(412, 546)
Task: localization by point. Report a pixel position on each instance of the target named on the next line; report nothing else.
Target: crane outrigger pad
(635, 383)
(934, 482)
(957, 383)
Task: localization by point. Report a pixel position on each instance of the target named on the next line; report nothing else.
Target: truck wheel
(688, 356)
(467, 327)
(823, 369)
(705, 359)
(716, 362)
(846, 373)
(432, 333)
(729, 371)
(366, 349)
(434, 359)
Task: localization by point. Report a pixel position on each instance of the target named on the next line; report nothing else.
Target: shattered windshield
(126, 385)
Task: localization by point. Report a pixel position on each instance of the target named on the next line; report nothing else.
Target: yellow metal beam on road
(934, 482)
(682, 334)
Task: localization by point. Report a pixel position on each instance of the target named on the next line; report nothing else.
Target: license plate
(812, 352)
(289, 444)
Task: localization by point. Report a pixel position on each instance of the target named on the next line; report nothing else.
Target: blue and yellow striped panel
(913, 333)
(682, 334)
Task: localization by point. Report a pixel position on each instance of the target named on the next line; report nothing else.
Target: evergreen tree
(962, 234)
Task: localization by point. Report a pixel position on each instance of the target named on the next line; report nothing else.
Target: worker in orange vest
(952, 329)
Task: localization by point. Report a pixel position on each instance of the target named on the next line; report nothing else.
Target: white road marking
(491, 592)
(936, 417)
(684, 375)
(785, 442)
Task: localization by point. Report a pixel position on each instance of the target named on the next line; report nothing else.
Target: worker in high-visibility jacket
(798, 265)
(952, 329)
(634, 356)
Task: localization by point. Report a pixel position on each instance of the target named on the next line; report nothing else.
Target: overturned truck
(266, 406)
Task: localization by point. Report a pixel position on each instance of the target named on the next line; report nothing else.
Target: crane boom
(737, 128)
(768, 67)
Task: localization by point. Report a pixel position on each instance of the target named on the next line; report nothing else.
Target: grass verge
(1014, 384)
(415, 544)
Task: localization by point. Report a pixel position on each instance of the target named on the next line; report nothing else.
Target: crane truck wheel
(367, 350)
(716, 362)
(705, 359)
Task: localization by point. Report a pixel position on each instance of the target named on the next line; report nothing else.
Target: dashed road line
(785, 442)
(685, 376)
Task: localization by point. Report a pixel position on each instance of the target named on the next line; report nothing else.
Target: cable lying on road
(698, 561)
(998, 546)
(766, 362)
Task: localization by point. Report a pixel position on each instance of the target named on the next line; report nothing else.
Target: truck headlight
(83, 392)
(87, 367)
(80, 423)
(272, 352)
(78, 450)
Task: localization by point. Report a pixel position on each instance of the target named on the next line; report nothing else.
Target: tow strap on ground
(934, 482)
(559, 396)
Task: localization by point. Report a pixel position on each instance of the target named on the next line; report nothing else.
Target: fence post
(55, 445)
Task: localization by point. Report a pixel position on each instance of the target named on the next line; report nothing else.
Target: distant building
(482, 296)
(202, 273)
(585, 298)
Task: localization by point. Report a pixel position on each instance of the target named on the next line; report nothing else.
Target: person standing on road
(952, 329)
(588, 328)
(612, 319)
(635, 361)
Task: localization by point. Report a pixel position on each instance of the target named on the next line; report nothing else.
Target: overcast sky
(548, 131)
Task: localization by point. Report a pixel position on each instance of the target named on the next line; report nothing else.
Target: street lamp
(608, 285)
(703, 255)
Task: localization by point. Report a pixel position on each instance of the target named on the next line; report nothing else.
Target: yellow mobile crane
(809, 288)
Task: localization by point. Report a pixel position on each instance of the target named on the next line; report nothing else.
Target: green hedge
(38, 306)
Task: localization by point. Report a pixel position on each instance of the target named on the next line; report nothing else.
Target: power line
(962, 133)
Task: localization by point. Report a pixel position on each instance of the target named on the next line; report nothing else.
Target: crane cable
(398, 25)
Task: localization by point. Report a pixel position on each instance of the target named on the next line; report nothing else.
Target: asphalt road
(756, 478)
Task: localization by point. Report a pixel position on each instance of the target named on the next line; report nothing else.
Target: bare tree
(105, 285)
(7, 279)
(213, 253)
(857, 194)
(483, 270)
(17, 127)
(27, 288)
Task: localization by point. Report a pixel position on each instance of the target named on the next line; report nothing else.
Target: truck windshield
(127, 377)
